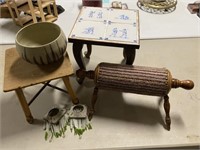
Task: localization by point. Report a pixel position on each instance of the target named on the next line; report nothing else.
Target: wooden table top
(18, 73)
(106, 26)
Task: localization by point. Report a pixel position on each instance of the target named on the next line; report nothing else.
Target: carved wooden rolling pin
(135, 79)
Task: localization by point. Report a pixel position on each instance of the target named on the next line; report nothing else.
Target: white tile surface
(123, 16)
(102, 24)
(89, 29)
(120, 33)
(94, 14)
(122, 120)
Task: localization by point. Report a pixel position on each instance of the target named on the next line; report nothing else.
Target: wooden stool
(135, 79)
(24, 12)
(49, 16)
(19, 74)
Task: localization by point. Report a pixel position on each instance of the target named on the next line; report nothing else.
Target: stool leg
(24, 105)
(11, 11)
(55, 10)
(49, 9)
(70, 90)
(93, 102)
(129, 55)
(167, 109)
(94, 99)
(77, 51)
(89, 51)
(30, 3)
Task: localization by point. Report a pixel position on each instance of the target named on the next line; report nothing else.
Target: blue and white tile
(94, 14)
(123, 16)
(122, 33)
(89, 29)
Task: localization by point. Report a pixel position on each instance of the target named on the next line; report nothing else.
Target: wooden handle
(185, 84)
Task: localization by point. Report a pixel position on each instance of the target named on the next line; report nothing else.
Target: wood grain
(19, 73)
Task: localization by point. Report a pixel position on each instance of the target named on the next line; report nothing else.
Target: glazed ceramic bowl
(41, 43)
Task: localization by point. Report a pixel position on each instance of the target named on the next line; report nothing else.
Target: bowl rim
(16, 41)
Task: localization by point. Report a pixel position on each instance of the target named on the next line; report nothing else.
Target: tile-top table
(106, 27)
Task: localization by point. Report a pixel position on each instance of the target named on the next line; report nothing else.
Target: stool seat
(19, 74)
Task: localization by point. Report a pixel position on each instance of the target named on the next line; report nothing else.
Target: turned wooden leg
(167, 110)
(77, 51)
(70, 90)
(24, 105)
(89, 51)
(129, 55)
(82, 74)
(79, 77)
(93, 102)
(94, 98)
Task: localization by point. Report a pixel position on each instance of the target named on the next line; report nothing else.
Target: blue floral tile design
(107, 24)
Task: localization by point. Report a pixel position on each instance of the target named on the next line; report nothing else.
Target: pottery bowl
(41, 43)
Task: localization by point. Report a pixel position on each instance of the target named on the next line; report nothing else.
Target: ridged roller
(133, 79)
